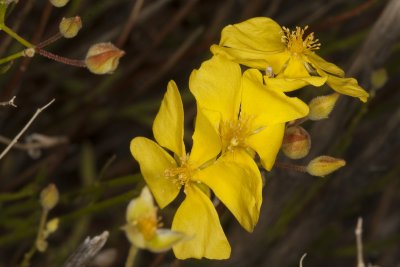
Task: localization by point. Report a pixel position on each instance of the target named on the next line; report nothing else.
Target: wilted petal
(216, 86)
(320, 63)
(198, 219)
(168, 124)
(153, 161)
(347, 86)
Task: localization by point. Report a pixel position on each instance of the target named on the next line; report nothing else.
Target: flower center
(234, 133)
(147, 226)
(182, 174)
(295, 42)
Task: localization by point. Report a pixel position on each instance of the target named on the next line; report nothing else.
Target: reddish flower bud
(324, 165)
(103, 58)
(296, 142)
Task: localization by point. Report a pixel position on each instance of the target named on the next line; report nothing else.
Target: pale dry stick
(36, 142)
(133, 18)
(84, 254)
(9, 102)
(302, 258)
(15, 140)
(358, 233)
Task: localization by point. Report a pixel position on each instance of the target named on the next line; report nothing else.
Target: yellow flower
(195, 173)
(247, 116)
(142, 228)
(262, 43)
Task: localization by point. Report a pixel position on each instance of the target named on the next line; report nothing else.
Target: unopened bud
(69, 27)
(103, 58)
(322, 106)
(59, 3)
(324, 165)
(296, 142)
(52, 226)
(49, 197)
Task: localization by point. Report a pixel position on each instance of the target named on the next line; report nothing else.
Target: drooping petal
(260, 34)
(291, 84)
(153, 161)
(168, 124)
(346, 86)
(198, 219)
(255, 43)
(252, 58)
(206, 140)
(142, 206)
(238, 187)
(320, 63)
(163, 240)
(267, 143)
(216, 86)
(269, 106)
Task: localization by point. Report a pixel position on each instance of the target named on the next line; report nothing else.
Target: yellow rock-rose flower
(263, 44)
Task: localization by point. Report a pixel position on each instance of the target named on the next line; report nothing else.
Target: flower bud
(103, 58)
(321, 106)
(324, 165)
(49, 197)
(296, 142)
(52, 226)
(69, 27)
(59, 3)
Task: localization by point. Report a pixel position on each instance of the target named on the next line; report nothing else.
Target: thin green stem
(15, 35)
(130, 260)
(39, 237)
(11, 57)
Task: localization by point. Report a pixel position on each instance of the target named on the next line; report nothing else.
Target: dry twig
(15, 140)
(84, 254)
(9, 102)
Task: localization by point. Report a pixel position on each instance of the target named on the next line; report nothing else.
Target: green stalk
(14, 35)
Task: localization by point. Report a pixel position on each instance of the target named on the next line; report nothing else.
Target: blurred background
(94, 118)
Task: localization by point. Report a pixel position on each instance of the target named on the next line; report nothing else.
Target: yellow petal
(134, 235)
(163, 240)
(238, 187)
(269, 106)
(216, 86)
(198, 219)
(291, 84)
(347, 86)
(142, 206)
(252, 58)
(206, 140)
(153, 161)
(320, 63)
(296, 68)
(168, 124)
(267, 144)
